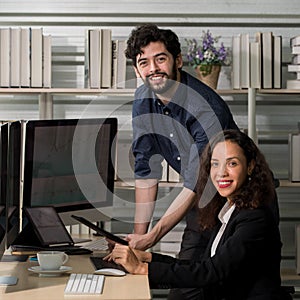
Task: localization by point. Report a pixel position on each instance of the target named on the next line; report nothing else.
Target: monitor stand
(8, 280)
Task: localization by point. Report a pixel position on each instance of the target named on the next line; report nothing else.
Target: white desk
(30, 286)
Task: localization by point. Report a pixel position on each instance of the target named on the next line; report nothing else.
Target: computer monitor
(69, 164)
(4, 208)
(3, 186)
(14, 179)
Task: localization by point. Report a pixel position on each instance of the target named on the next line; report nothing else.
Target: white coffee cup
(52, 260)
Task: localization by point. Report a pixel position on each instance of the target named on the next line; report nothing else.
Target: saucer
(47, 273)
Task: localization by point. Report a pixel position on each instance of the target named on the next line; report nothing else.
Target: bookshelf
(264, 110)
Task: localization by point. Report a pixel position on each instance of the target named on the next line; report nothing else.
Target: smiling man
(174, 116)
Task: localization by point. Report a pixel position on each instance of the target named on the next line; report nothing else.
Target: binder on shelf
(294, 157)
(118, 64)
(36, 57)
(296, 59)
(293, 68)
(121, 66)
(267, 60)
(255, 65)
(5, 57)
(47, 61)
(277, 61)
(245, 60)
(295, 41)
(15, 57)
(293, 84)
(297, 249)
(236, 60)
(95, 63)
(115, 47)
(296, 49)
(106, 58)
(25, 57)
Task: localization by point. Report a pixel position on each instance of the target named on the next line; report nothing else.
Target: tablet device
(48, 226)
(100, 231)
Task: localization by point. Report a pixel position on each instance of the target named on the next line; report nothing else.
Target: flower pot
(209, 74)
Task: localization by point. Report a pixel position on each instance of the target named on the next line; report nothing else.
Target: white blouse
(224, 216)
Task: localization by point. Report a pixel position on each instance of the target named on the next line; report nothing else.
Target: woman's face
(229, 169)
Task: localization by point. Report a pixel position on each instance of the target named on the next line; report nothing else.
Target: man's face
(157, 67)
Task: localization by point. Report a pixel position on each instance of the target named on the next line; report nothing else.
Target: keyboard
(96, 245)
(84, 284)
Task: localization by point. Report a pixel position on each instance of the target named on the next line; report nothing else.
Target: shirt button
(171, 134)
(166, 112)
(178, 157)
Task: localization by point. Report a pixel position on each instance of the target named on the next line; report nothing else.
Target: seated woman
(242, 260)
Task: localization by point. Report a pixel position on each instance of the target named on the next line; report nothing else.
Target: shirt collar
(225, 212)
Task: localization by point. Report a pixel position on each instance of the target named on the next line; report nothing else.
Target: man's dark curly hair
(258, 189)
(145, 34)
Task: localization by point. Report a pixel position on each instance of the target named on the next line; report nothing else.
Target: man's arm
(145, 197)
(177, 210)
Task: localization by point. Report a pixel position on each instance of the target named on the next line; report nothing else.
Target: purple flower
(205, 51)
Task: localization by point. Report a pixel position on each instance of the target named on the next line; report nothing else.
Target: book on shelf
(277, 62)
(267, 61)
(236, 58)
(25, 57)
(293, 68)
(115, 46)
(121, 66)
(118, 64)
(245, 61)
(15, 57)
(296, 49)
(95, 49)
(296, 60)
(294, 156)
(106, 58)
(36, 57)
(298, 75)
(293, 84)
(255, 65)
(295, 41)
(47, 61)
(297, 239)
(5, 57)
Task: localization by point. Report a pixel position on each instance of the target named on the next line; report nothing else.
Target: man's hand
(140, 241)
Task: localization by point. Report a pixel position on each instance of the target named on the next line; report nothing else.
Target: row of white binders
(25, 57)
(256, 62)
(105, 61)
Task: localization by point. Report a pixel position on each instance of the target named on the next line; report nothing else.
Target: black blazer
(246, 264)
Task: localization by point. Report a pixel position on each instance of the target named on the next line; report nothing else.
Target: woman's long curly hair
(257, 190)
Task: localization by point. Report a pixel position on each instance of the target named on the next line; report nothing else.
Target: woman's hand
(129, 259)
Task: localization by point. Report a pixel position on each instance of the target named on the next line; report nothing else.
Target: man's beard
(166, 85)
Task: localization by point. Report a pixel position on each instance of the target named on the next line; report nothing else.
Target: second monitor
(69, 164)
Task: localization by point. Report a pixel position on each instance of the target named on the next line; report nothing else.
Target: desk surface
(31, 286)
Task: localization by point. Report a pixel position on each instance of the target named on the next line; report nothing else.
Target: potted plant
(206, 57)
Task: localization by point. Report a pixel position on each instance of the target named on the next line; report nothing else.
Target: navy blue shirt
(178, 131)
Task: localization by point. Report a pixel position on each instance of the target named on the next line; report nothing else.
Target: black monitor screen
(69, 163)
(3, 185)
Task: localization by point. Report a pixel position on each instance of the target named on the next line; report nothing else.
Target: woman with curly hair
(242, 260)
